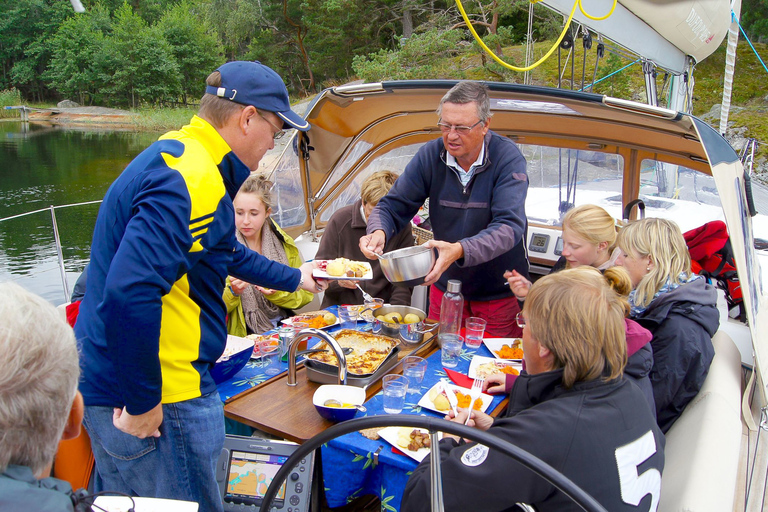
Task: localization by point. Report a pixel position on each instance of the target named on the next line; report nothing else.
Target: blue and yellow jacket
(152, 322)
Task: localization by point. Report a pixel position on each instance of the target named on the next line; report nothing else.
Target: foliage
(754, 19)
(196, 51)
(8, 98)
(419, 57)
(163, 119)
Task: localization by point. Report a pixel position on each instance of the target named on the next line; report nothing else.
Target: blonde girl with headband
(589, 238)
(251, 308)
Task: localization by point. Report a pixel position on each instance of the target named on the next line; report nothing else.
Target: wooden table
(287, 411)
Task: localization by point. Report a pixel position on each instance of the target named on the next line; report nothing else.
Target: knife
(451, 395)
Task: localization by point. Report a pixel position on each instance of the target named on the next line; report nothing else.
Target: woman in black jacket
(678, 307)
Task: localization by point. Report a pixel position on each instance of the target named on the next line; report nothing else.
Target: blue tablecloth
(254, 374)
(354, 453)
(349, 470)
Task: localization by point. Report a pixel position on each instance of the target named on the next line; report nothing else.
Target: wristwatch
(301, 282)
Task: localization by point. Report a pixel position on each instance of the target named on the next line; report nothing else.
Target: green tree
(76, 54)
(196, 50)
(26, 26)
(140, 61)
(754, 19)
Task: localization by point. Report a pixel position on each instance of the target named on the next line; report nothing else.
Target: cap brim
(293, 120)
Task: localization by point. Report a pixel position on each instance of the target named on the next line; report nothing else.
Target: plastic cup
(414, 368)
(348, 316)
(286, 335)
(394, 388)
(269, 353)
(369, 307)
(297, 328)
(475, 327)
(451, 349)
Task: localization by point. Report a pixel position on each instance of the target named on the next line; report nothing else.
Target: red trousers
(499, 313)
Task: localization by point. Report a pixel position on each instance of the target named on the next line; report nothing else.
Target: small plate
(426, 403)
(391, 434)
(495, 344)
(324, 275)
(290, 320)
(486, 362)
(274, 340)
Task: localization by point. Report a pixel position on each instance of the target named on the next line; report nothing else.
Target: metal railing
(59, 255)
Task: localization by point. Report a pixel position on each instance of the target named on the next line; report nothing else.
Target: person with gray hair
(476, 184)
(39, 401)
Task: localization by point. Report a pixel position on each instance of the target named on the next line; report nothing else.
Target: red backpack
(712, 257)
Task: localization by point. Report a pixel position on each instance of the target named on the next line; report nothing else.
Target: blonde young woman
(251, 308)
(678, 307)
(589, 238)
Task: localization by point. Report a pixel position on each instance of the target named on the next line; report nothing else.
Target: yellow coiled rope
(551, 50)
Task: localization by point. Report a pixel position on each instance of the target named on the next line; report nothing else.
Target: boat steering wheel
(541, 468)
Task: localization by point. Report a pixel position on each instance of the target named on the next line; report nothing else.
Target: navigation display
(251, 473)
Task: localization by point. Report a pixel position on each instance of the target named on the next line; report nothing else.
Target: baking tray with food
(369, 351)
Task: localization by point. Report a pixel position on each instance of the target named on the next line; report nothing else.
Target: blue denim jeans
(180, 464)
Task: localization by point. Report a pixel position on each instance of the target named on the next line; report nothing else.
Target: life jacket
(712, 257)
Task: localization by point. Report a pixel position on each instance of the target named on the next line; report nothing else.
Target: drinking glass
(269, 353)
(414, 368)
(348, 316)
(297, 328)
(475, 327)
(451, 349)
(373, 305)
(394, 389)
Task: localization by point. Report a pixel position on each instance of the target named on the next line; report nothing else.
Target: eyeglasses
(279, 133)
(520, 319)
(461, 130)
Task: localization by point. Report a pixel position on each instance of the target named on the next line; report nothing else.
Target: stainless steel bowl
(409, 334)
(408, 266)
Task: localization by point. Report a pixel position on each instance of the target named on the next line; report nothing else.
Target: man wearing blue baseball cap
(152, 322)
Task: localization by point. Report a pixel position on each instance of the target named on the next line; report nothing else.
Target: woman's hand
(238, 286)
(265, 291)
(494, 384)
(478, 420)
(518, 284)
(350, 284)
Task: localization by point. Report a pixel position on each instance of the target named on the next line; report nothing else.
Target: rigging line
(733, 16)
(510, 66)
(611, 74)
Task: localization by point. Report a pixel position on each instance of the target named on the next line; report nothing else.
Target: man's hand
(373, 244)
(518, 284)
(238, 285)
(447, 254)
(141, 425)
(309, 283)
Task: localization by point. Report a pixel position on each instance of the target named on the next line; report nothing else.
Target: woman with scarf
(250, 308)
(678, 307)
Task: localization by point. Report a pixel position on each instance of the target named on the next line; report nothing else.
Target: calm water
(43, 165)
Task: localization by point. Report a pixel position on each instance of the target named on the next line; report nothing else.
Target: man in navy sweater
(476, 184)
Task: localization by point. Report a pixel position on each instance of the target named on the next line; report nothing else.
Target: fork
(366, 296)
(474, 393)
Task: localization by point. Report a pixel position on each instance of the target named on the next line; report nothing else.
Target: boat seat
(703, 445)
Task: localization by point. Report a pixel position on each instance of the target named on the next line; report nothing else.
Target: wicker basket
(421, 235)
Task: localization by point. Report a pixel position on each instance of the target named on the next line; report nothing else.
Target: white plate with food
(482, 367)
(414, 442)
(317, 319)
(505, 348)
(343, 269)
(436, 400)
(273, 339)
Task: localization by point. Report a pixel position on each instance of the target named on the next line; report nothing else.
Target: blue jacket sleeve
(151, 256)
(254, 268)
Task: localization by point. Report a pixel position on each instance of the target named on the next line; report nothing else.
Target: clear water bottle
(451, 308)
